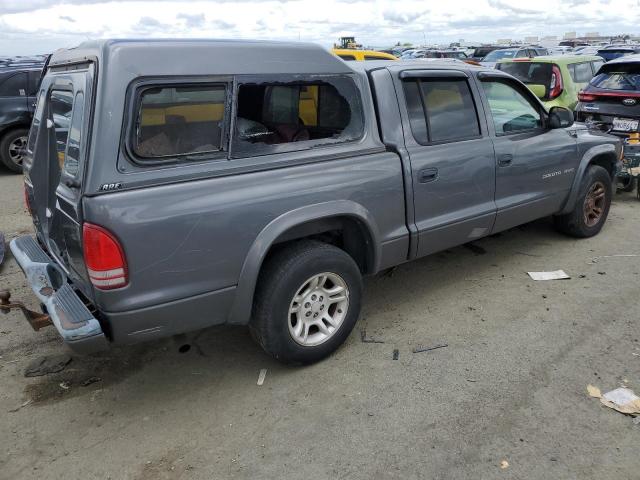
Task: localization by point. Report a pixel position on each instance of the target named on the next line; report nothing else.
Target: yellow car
(360, 55)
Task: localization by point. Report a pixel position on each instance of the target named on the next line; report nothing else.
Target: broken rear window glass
(272, 117)
(179, 120)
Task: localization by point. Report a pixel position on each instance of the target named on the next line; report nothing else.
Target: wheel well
(606, 161)
(344, 232)
(5, 131)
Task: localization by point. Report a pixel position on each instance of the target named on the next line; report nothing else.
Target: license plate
(625, 125)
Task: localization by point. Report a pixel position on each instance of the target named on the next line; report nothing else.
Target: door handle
(428, 175)
(505, 160)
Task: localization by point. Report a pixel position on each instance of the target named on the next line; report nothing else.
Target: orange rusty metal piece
(37, 320)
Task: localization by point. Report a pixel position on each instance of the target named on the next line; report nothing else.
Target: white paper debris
(556, 275)
(263, 373)
(621, 399)
(620, 396)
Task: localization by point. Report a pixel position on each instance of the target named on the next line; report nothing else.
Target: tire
(584, 221)
(288, 274)
(9, 145)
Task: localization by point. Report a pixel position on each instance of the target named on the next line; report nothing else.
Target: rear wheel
(592, 205)
(12, 149)
(307, 302)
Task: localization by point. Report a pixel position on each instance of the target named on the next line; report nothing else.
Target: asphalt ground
(510, 386)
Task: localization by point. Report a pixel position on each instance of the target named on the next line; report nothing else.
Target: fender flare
(589, 155)
(240, 312)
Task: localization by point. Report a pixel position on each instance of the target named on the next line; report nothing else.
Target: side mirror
(538, 90)
(560, 117)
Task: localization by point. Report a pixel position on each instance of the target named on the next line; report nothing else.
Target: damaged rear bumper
(73, 320)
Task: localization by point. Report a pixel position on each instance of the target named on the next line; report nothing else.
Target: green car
(556, 80)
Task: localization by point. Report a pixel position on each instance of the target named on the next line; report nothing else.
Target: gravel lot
(511, 385)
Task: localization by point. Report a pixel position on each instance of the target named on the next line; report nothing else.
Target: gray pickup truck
(179, 184)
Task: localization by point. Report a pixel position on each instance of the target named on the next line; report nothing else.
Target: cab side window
(283, 116)
(441, 110)
(512, 112)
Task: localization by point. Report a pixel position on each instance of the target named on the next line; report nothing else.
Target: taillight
(555, 87)
(104, 258)
(586, 97)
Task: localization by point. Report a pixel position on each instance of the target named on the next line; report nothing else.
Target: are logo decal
(629, 102)
(107, 187)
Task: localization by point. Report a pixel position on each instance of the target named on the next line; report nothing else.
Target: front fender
(241, 310)
(608, 150)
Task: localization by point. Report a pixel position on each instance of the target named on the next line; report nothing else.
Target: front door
(535, 165)
(452, 158)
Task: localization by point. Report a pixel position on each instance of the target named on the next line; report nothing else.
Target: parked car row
(611, 102)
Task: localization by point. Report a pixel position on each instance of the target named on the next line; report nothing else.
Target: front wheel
(307, 301)
(592, 205)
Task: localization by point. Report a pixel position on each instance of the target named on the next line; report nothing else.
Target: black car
(611, 102)
(616, 51)
(480, 52)
(18, 88)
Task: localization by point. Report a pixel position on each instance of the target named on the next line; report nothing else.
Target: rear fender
(607, 151)
(241, 309)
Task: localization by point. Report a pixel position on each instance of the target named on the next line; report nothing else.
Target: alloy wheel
(318, 309)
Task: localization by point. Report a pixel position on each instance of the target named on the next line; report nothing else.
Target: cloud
(402, 18)
(67, 18)
(192, 21)
(510, 8)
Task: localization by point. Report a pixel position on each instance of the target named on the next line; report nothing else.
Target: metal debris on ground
(365, 339)
(14, 410)
(89, 381)
(261, 375)
(555, 275)
(621, 399)
(46, 365)
(421, 349)
(595, 259)
(396, 354)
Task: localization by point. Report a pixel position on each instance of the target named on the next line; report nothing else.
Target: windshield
(618, 77)
(528, 72)
(499, 54)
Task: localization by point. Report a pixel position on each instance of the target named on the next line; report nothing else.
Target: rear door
(54, 165)
(452, 158)
(535, 165)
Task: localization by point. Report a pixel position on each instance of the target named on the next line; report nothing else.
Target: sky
(30, 27)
